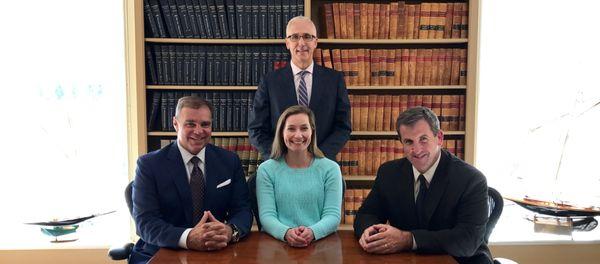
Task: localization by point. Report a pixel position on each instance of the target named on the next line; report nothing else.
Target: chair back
(121, 252)
(253, 201)
(496, 204)
(129, 197)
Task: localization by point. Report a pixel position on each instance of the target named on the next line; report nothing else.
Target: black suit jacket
(162, 201)
(456, 208)
(329, 102)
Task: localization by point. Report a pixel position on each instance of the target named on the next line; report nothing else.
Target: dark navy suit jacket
(328, 100)
(456, 208)
(162, 201)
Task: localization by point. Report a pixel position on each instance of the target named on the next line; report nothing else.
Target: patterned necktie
(420, 203)
(302, 91)
(197, 189)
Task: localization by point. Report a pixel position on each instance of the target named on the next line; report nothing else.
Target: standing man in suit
(302, 82)
(189, 194)
(434, 202)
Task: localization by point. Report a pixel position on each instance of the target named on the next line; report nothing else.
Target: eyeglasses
(296, 37)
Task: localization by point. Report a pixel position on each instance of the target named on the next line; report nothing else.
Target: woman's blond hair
(279, 149)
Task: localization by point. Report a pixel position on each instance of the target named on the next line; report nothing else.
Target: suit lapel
(315, 91)
(408, 193)
(437, 187)
(179, 175)
(290, 98)
(213, 176)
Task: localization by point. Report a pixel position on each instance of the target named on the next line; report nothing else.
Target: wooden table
(340, 247)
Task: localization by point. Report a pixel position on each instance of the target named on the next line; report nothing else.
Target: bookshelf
(142, 139)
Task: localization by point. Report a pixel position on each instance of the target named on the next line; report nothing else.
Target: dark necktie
(197, 189)
(302, 91)
(420, 203)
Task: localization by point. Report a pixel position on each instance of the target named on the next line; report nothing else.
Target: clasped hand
(299, 236)
(209, 234)
(385, 239)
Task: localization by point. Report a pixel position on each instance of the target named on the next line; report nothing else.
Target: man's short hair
(296, 19)
(193, 102)
(413, 115)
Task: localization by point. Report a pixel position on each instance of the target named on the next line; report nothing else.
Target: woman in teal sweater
(299, 191)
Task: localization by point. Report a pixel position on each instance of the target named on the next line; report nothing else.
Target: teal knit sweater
(289, 198)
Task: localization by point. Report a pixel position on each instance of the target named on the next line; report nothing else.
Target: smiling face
(194, 128)
(297, 133)
(301, 51)
(421, 146)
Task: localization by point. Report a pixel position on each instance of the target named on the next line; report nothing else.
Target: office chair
(253, 202)
(496, 204)
(122, 252)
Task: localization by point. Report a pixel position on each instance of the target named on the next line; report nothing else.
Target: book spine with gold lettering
(387, 112)
(336, 20)
(328, 14)
(379, 113)
(424, 20)
(456, 20)
(349, 20)
(393, 20)
(364, 112)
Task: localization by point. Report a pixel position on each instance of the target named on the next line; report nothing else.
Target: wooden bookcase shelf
(139, 91)
(253, 88)
(214, 41)
(245, 134)
(391, 41)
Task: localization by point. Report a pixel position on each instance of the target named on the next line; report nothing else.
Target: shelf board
(217, 134)
(324, 40)
(215, 41)
(359, 178)
(432, 87)
(195, 87)
(252, 88)
(245, 134)
(393, 41)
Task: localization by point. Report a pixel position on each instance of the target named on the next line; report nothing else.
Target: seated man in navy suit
(302, 82)
(189, 194)
(433, 201)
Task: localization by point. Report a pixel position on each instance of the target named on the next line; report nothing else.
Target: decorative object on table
(62, 228)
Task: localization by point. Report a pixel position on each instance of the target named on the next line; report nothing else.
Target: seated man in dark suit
(189, 194)
(434, 202)
(302, 82)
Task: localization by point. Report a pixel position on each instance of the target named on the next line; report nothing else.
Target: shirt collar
(296, 69)
(429, 173)
(187, 156)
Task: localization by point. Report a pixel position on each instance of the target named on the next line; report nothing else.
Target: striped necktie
(302, 91)
(197, 188)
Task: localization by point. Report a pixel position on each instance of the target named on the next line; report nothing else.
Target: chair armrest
(120, 252)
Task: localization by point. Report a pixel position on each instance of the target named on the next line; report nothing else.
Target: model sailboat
(574, 190)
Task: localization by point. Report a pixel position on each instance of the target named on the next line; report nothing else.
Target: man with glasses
(302, 82)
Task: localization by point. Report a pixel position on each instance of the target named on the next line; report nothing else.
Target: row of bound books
(363, 157)
(396, 20)
(381, 67)
(212, 64)
(379, 112)
(219, 19)
(231, 109)
(353, 199)
(248, 155)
